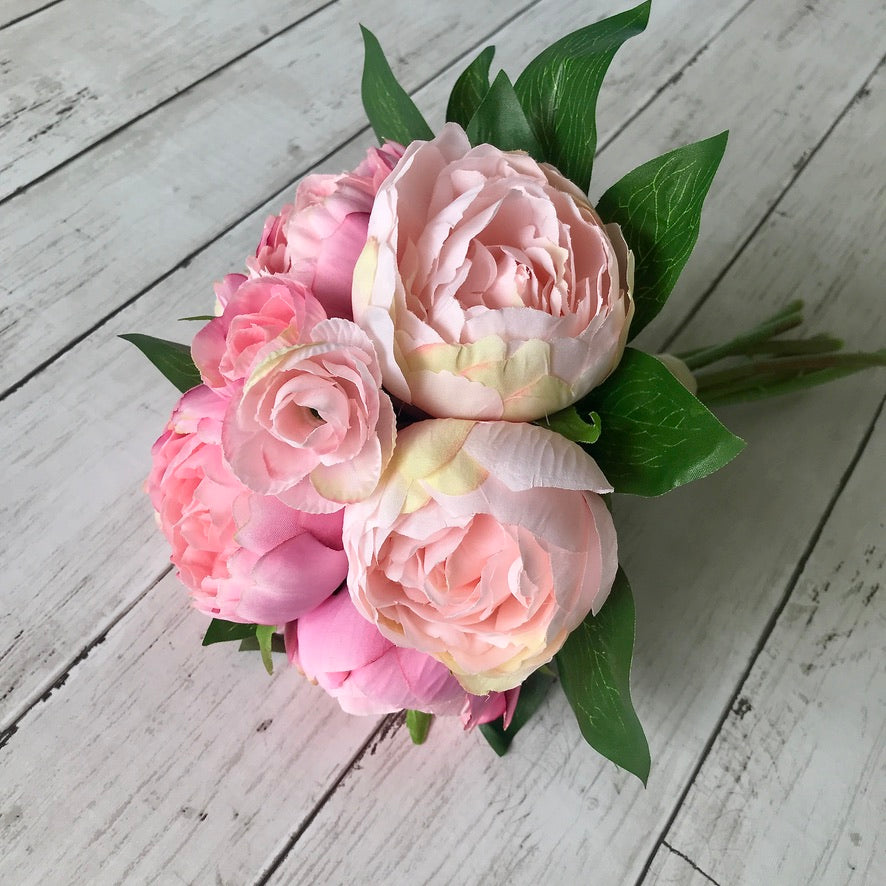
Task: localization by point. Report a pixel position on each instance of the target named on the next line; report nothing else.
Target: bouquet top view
(443, 442)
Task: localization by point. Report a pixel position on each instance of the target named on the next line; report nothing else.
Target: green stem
(787, 318)
(816, 344)
(755, 381)
(789, 366)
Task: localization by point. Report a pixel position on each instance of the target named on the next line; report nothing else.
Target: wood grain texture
(65, 581)
(70, 85)
(158, 756)
(794, 789)
(709, 564)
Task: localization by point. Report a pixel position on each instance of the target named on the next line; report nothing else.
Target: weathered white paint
(107, 780)
(161, 761)
(794, 788)
(69, 85)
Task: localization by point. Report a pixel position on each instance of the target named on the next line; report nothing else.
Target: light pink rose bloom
(256, 312)
(313, 426)
(320, 237)
(335, 647)
(482, 547)
(244, 557)
(491, 288)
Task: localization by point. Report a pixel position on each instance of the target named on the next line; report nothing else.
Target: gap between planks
(761, 643)
(171, 97)
(29, 14)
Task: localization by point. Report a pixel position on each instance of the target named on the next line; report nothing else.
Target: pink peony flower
(482, 547)
(255, 313)
(320, 237)
(313, 426)
(244, 557)
(334, 646)
(490, 287)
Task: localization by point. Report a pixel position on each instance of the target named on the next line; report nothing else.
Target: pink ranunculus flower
(491, 288)
(244, 557)
(320, 237)
(335, 647)
(255, 313)
(313, 426)
(484, 546)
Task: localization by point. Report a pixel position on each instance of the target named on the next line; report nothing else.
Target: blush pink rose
(320, 237)
(244, 557)
(313, 426)
(335, 647)
(484, 546)
(491, 288)
(256, 312)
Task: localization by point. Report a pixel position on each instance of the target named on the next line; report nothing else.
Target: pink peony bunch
(433, 568)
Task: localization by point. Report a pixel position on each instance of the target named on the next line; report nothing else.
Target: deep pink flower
(335, 647)
(244, 557)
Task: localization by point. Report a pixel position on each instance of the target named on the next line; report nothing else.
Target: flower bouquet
(400, 429)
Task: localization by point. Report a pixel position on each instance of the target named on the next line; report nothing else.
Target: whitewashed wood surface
(142, 143)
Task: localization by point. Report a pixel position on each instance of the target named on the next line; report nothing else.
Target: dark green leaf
(573, 426)
(658, 206)
(170, 357)
(657, 435)
(390, 110)
(251, 644)
(559, 88)
(595, 672)
(199, 317)
(500, 121)
(264, 635)
(418, 723)
(535, 687)
(220, 631)
(470, 89)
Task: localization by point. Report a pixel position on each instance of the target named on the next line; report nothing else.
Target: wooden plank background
(141, 146)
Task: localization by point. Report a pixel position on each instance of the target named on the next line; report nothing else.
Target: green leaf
(221, 631)
(418, 723)
(532, 693)
(657, 435)
(470, 89)
(390, 110)
(170, 357)
(573, 426)
(658, 206)
(199, 317)
(500, 121)
(559, 88)
(595, 672)
(251, 644)
(264, 634)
